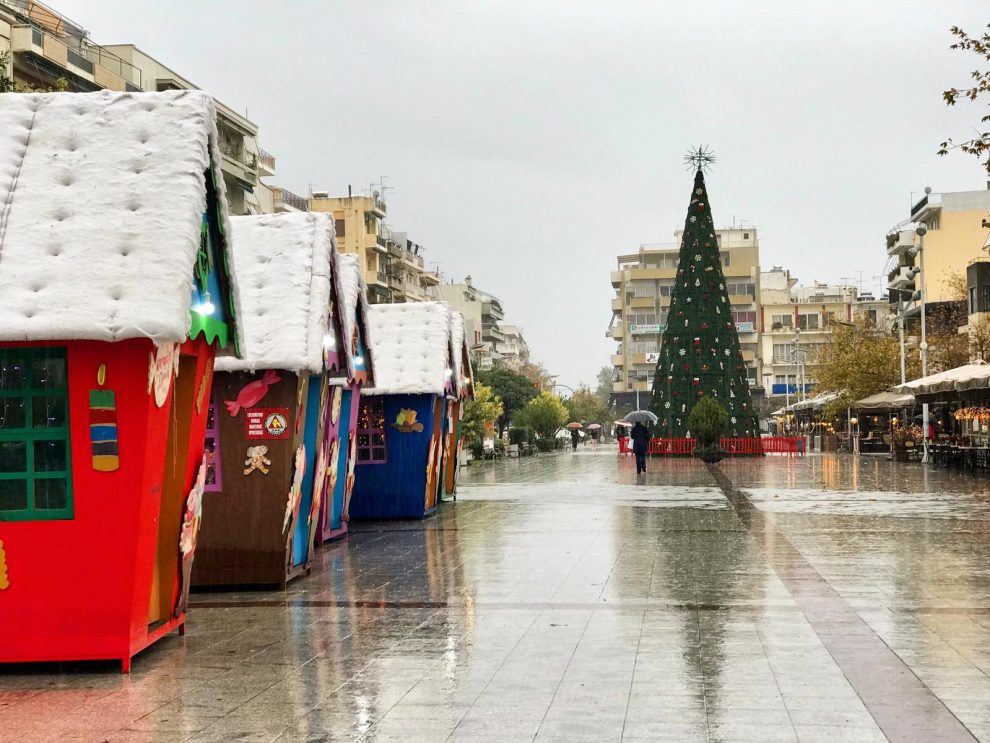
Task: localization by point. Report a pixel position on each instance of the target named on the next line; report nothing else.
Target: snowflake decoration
(697, 256)
(694, 219)
(727, 352)
(667, 405)
(682, 352)
(733, 419)
(721, 286)
(698, 191)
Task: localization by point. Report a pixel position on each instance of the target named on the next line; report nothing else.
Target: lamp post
(921, 230)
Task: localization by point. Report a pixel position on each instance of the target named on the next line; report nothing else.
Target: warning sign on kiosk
(267, 423)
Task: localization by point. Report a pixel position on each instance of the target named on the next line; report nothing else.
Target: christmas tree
(699, 351)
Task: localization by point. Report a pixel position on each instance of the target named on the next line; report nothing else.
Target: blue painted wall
(300, 542)
(396, 489)
(337, 501)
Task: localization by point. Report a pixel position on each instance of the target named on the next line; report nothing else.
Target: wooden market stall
(356, 370)
(275, 416)
(116, 294)
(401, 420)
(463, 391)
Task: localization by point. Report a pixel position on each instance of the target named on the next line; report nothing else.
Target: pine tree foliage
(699, 352)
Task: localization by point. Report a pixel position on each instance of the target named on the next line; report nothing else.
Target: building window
(35, 457)
(782, 352)
(371, 431)
(211, 449)
(745, 236)
(724, 256)
(808, 321)
(339, 227)
(782, 321)
(739, 316)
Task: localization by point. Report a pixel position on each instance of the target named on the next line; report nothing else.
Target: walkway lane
(563, 598)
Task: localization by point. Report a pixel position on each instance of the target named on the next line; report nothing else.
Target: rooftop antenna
(381, 188)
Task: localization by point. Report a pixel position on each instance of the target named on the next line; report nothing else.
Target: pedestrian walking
(575, 438)
(641, 443)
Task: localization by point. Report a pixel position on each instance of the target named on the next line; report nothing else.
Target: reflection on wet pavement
(563, 598)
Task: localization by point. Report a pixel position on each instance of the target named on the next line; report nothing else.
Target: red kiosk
(116, 294)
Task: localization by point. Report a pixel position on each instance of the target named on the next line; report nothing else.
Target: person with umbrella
(641, 444)
(640, 436)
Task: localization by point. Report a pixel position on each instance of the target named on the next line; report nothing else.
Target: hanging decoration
(103, 430)
(973, 414)
(405, 422)
(252, 393)
(257, 459)
(163, 366)
(295, 492)
(4, 581)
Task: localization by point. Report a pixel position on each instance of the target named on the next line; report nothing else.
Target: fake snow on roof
(352, 292)
(283, 264)
(101, 200)
(411, 344)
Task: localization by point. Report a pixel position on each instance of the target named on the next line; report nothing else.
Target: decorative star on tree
(699, 158)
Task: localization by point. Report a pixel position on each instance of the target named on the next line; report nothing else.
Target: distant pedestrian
(575, 438)
(641, 443)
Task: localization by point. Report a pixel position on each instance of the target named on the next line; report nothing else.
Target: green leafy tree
(699, 354)
(708, 423)
(545, 414)
(479, 413)
(979, 145)
(859, 361)
(586, 407)
(6, 82)
(513, 389)
(604, 388)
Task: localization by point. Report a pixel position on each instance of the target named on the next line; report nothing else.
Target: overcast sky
(531, 141)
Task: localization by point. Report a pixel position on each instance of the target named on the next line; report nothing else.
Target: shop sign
(656, 328)
(267, 423)
(744, 327)
(652, 358)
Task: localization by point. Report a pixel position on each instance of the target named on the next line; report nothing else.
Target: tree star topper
(699, 158)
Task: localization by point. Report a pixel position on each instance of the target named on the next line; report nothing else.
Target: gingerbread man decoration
(256, 460)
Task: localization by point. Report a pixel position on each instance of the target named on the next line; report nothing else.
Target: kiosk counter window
(371, 431)
(35, 461)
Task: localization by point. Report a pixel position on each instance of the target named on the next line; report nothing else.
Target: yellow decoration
(405, 421)
(101, 375)
(4, 583)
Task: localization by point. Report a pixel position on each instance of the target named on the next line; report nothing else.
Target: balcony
(493, 309)
(87, 66)
(900, 241)
(492, 333)
(903, 277)
(616, 277)
(617, 305)
(618, 360)
(237, 161)
(378, 207)
(741, 299)
(266, 163)
(644, 302)
(616, 331)
(286, 201)
(380, 244)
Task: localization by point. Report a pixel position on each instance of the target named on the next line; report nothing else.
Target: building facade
(514, 350)
(957, 232)
(643, 284)
(482, 317)
(797, 321)
(360, 225)
(408, 279)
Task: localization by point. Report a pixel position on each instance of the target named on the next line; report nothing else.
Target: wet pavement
(561, 598)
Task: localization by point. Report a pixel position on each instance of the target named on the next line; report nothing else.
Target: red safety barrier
(735, 446)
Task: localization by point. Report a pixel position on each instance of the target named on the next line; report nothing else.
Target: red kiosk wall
(79, 588)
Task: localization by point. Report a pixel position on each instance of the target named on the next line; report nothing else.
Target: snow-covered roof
(283, 263)
(102, 197)
(352, 292)
(411, 345)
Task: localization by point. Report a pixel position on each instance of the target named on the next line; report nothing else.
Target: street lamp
(920, 231)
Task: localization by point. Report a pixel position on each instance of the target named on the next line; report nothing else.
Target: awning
(966, 378)
(884, 401)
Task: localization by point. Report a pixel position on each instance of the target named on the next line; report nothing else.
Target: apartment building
(408, 279)
(957, 232)
(514, 350)
(47, 49)
(643, 284)
(360, 225)
(482, 317)
(797, 321)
